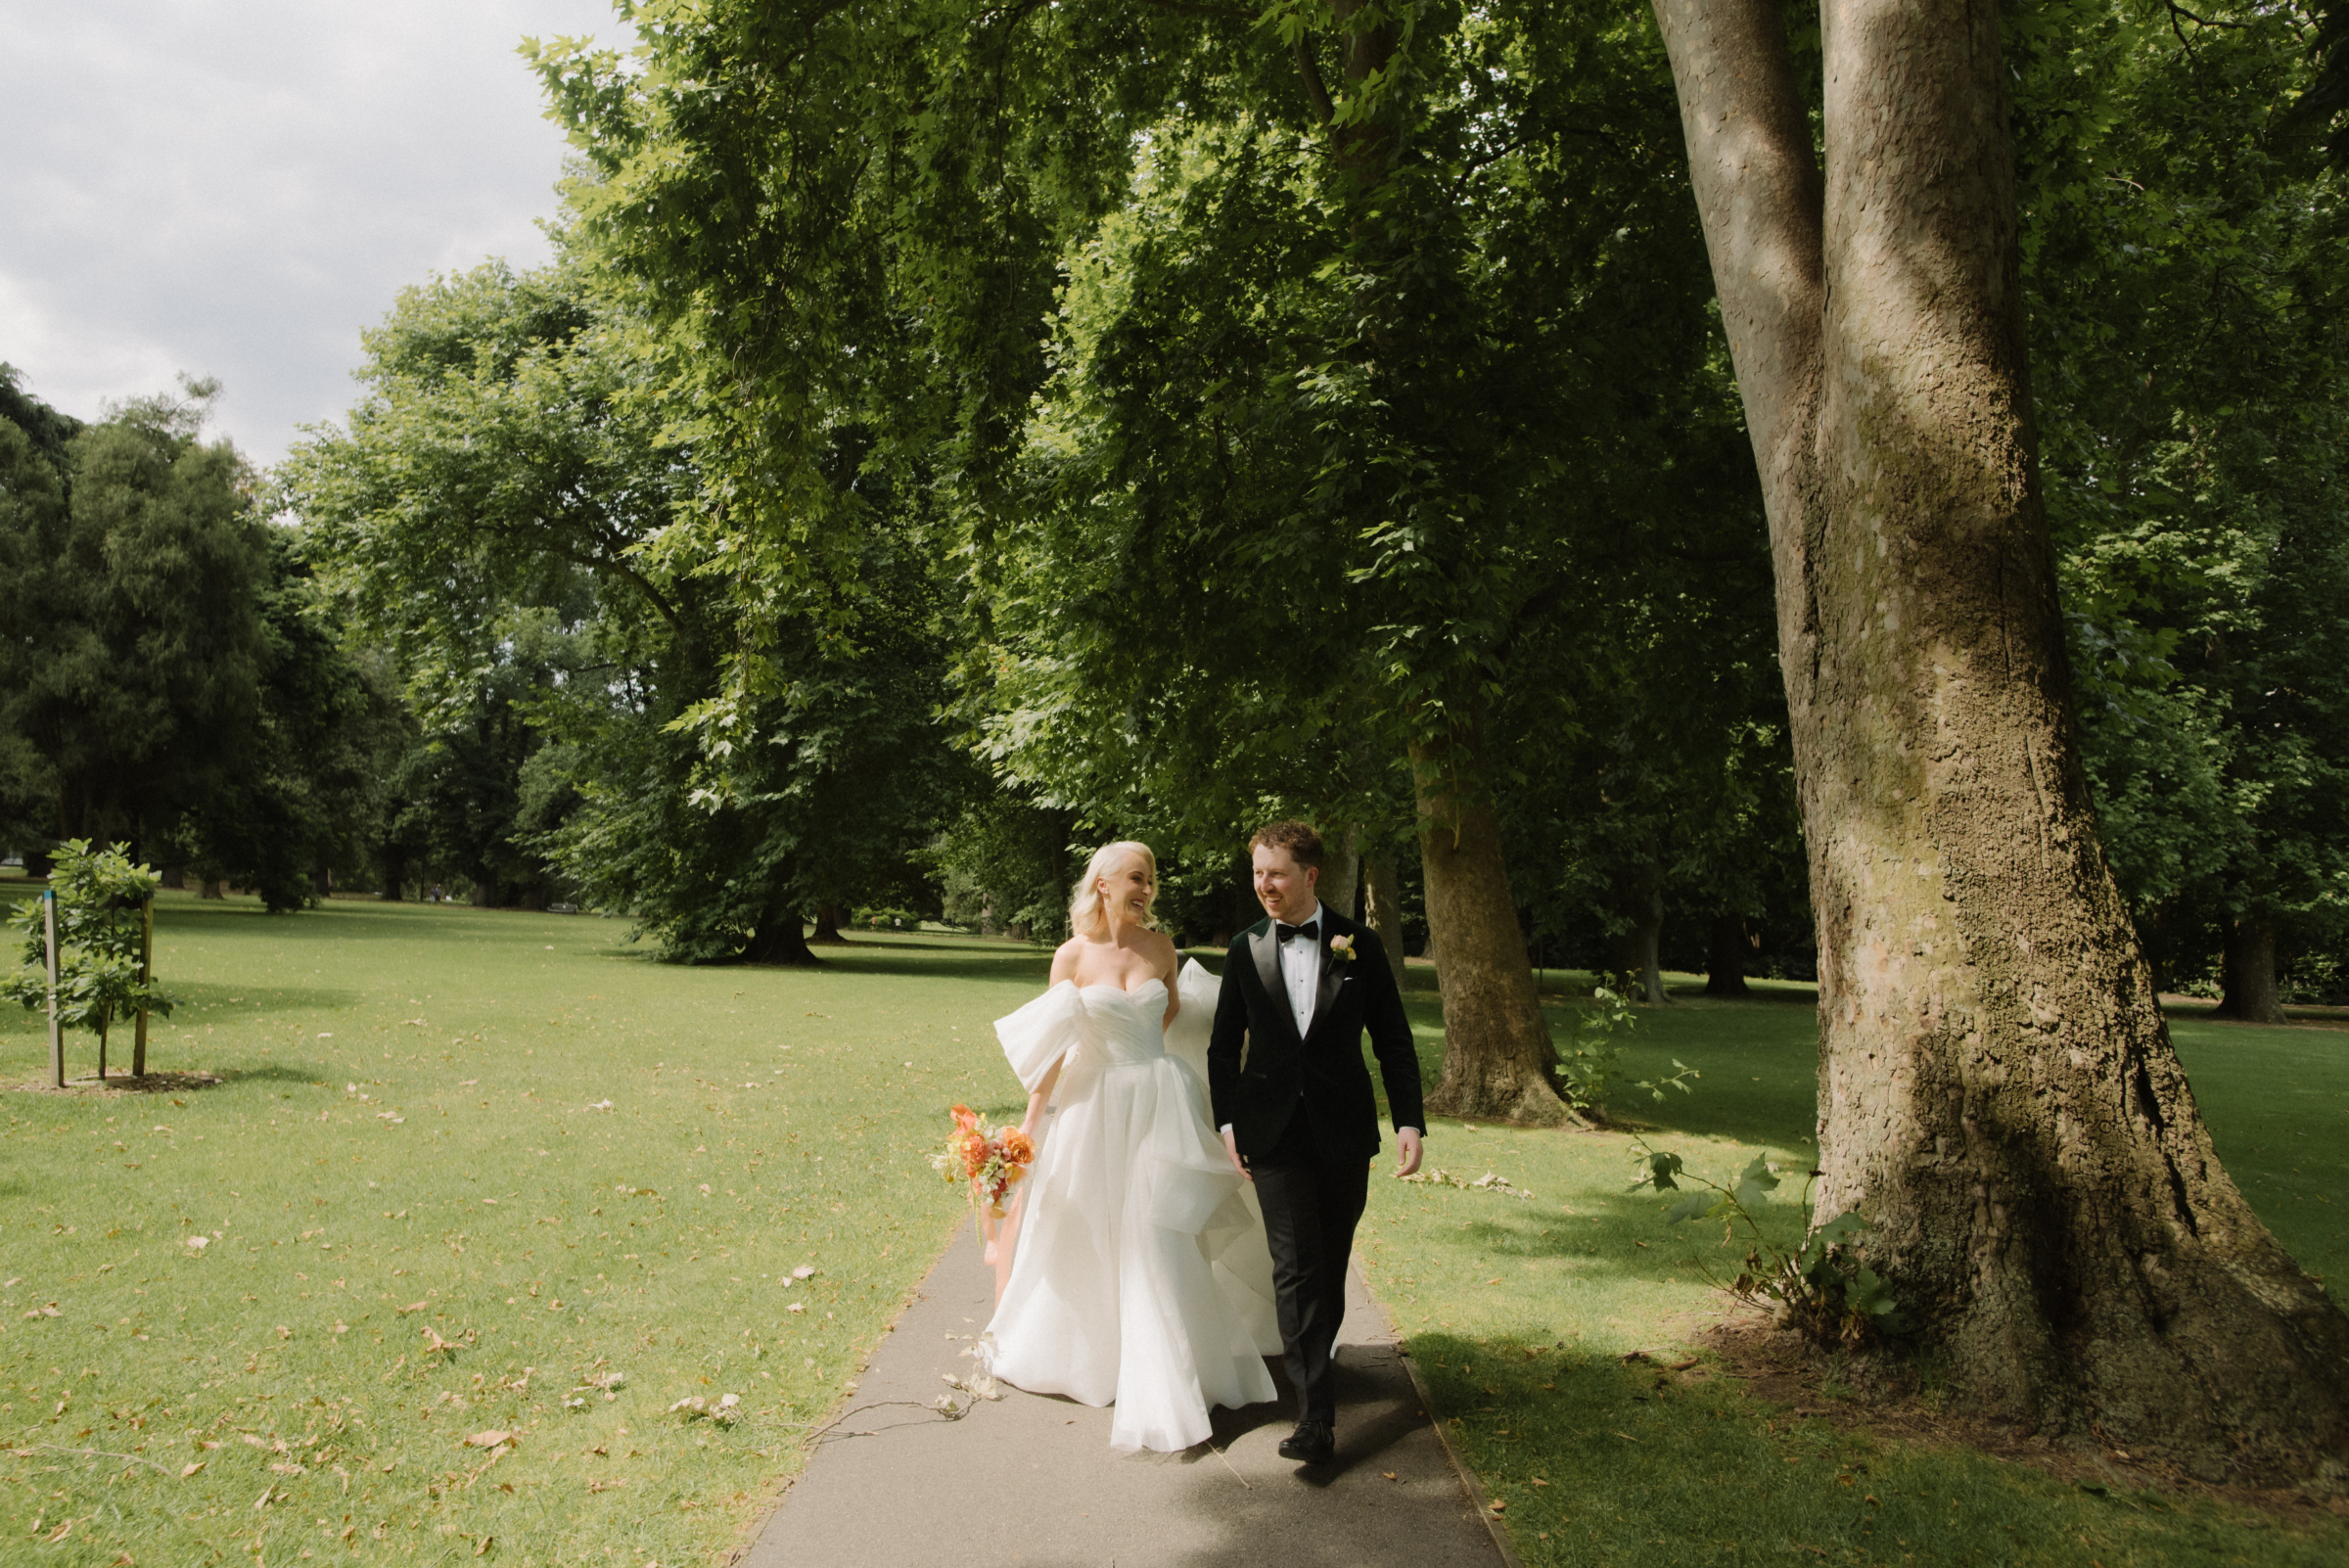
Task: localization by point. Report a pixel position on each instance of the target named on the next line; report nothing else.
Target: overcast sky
(235, 189)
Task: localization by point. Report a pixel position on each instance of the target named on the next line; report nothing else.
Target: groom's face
(1284, 888)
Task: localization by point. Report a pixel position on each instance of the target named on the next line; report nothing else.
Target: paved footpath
(1031, 1480)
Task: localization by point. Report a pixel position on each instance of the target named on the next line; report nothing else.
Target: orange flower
(1017, 1148)
(966, 1118)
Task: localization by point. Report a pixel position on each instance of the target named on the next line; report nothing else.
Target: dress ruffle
(1114, 1293)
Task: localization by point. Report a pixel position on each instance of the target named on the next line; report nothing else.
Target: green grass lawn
(1521, 1311)
(511, 1132)
(515, 1135)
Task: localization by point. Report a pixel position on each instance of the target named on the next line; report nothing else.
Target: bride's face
(1125, 893)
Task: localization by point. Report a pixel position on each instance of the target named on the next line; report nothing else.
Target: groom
(1293, 1098)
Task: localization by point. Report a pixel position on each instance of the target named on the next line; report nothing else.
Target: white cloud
(235, 190)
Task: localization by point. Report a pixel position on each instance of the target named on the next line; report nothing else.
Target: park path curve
(1031, 1481)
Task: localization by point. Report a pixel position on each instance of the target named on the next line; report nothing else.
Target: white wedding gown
(1140, 1276)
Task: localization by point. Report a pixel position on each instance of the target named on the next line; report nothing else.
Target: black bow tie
(1311, 931)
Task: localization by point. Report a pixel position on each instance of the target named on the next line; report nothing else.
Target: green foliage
(506, 511)
(130, 647)
(1822, 1288)
(1592, 1070)
(101, 898)
(2180, 237)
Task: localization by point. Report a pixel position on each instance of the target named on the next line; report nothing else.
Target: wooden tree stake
(138, 1048)
(57, 1039)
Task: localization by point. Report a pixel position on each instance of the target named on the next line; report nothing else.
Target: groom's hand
(1231, 1146)
(1407, 1151)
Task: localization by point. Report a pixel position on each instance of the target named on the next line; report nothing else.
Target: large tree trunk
(827, 927)
(1725, 955)
(210, 888)
(395, 876)
(1633, 953)
(1383, 906)
(2247, 974)
(1341, 868)
(781, 939)
(1497, 1057)
(1997, 1093)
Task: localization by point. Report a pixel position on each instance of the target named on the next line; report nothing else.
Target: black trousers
(1310, 1209)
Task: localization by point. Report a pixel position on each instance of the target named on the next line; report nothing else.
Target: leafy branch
(1821, 1288)
(1589, 1072)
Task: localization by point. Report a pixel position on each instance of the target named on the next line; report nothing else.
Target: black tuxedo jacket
(1321, 1076)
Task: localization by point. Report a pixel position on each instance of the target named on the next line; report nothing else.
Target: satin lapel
(1326, 995)
(1265, 945)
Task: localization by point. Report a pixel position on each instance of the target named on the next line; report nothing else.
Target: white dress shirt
(1301, 968)
(1300, 964)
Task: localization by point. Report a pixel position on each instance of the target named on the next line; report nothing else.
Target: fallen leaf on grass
(488, 1440)
(1537, 1481)
(593, 1487)
(49, 1311)
(1498, 1507)
(797, 1307)
(412, 1307)
(804, 1272)
(1627, 1437)
(286, 1469)
(189, 1469)
(61, 1532)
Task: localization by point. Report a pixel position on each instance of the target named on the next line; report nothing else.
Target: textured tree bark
(781, 939)
(1498, 1055)
(1724, 957)
(1383, 908)
(2247, 974)
(1341, 867)
(1633, 954)
(827, 927)
(1997, 1093)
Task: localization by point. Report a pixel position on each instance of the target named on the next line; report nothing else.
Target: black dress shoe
(1312, 1442)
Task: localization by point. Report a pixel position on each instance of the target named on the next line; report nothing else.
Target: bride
(1131, 1270)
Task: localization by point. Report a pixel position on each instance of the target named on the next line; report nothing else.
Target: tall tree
(2189, 332)
(501, 509)
(1998, 1092)
(865, 211)
(133, 649)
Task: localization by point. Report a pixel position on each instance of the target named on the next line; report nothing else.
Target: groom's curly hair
(1298, 838)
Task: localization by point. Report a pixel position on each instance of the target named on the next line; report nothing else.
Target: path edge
(773, 1503)
(1494, 1526)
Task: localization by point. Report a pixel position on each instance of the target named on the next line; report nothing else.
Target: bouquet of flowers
(990, 1159)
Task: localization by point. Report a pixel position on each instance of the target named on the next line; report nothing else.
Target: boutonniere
(1341, 949)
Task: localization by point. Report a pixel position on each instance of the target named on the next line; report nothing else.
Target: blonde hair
(1085, 915)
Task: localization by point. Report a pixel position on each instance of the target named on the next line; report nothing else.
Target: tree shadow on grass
(1633, 1462)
